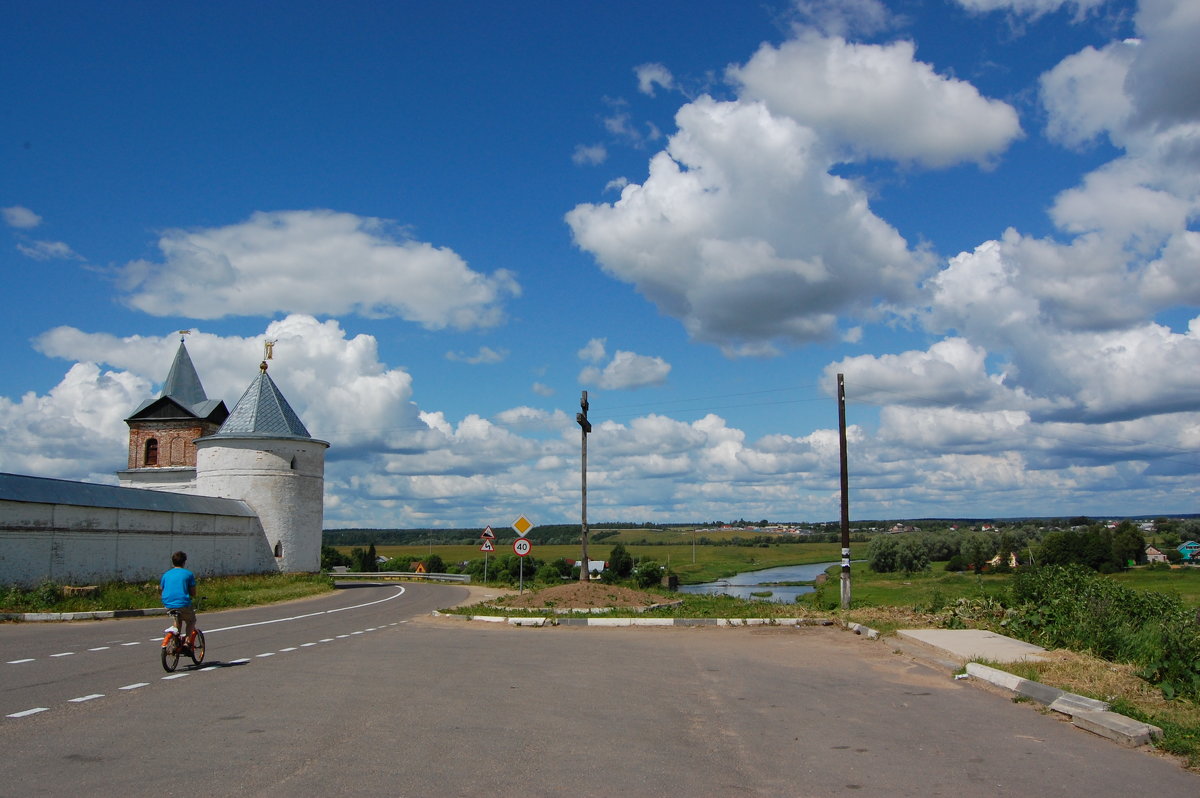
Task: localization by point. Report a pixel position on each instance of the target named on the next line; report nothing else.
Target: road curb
(542, 621)
(80, 616)
(1085, 713)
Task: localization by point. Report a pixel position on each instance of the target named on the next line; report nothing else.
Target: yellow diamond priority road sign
(522, 525)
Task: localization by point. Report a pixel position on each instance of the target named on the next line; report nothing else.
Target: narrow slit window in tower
(279, 548)
(151, 458)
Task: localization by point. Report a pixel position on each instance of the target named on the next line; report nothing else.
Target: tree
(911, 555)
(940, 545)
(881, 554)
(331, 558)
(548, 574)
(648, 574)
(1060, 548)
(1128, 545)
(434, 564)
(976, 549)
(620, 562)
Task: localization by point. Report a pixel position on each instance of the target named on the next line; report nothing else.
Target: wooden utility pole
(585, 427)
(841, 384)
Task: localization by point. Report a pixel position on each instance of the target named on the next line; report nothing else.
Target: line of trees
(1094, 546)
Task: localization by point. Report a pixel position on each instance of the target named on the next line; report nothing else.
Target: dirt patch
(581, 595)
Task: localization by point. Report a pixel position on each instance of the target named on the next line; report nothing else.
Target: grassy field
(710, 562)
(926, 591)
(1183, 582)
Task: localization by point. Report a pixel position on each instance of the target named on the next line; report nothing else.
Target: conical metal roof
(262, 412)
(183, 383)
(182, 395)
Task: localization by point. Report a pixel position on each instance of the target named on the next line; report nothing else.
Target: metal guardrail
(388, 575)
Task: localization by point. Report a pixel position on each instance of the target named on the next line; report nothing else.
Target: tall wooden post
(841, 384)
(585, 427)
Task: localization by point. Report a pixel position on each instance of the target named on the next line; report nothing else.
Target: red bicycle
(174, 646)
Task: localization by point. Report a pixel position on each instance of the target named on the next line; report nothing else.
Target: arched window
(279, 548)
(293, 462)
(151, 458)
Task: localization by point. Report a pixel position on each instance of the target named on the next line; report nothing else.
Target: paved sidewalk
(967, 645)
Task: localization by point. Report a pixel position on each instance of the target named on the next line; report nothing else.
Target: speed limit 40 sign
(522, 546)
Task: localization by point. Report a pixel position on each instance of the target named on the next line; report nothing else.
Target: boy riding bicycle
(178, 587)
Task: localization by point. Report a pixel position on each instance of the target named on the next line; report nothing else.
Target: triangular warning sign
(488, 533)
(487, 546)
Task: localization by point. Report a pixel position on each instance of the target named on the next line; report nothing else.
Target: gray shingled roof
(183, 383)
(183, 387)
(262, 412)
(21, 488)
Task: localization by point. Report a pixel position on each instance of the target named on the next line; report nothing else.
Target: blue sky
(454, 217)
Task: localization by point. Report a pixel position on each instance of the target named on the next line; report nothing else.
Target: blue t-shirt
(177, 585)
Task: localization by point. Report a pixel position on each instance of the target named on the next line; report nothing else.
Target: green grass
(684, 605)
(710, 562)
(1183, 582)
(933, 588)
(218, 592)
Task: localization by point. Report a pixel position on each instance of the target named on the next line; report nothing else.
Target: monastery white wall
(76, 545)
(173, 479)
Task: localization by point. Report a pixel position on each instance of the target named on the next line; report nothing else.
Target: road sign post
(522, 547)
(521, 526)
(488, 536)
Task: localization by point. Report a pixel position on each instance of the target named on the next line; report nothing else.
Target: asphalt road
(361, 693)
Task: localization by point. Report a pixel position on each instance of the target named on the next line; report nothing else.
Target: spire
(183, 383)
(263, 412)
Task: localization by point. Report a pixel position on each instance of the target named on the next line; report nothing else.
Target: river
(743, 584)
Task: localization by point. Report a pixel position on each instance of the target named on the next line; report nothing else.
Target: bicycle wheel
(197, 651)
(170, 654)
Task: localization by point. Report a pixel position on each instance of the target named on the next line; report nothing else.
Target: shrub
(1073, 607)
(881, 554)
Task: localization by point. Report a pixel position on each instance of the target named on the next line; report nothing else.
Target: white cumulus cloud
(627, 370)
(314, 262)
(20, 217)
(877, 101)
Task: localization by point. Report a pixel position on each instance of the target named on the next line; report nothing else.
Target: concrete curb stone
(1085, 713)
(541, 621)
(80, 616)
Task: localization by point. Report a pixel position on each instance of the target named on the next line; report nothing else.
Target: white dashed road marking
(28, 712)
(83, 698)
(138, 685)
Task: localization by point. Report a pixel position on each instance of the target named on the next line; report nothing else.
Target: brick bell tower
(163, 431)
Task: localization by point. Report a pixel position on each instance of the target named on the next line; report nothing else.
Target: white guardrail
(387, 575)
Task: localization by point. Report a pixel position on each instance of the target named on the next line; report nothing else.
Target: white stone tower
(263, 455)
